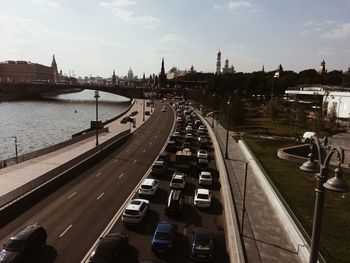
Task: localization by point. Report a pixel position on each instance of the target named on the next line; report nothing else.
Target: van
(174, 203)
(24, 244)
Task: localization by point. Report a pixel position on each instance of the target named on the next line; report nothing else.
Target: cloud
(341, 32)
(120, 11)
(325, 51)
(49, 3)
(118, 3)
(172, 38)
(238, 4)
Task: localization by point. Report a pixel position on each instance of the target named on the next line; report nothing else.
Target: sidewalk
(15, 176)
(264, 237)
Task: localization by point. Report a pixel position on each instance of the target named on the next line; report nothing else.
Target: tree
(237, 109)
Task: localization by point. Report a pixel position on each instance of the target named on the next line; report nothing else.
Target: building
(130, 75)
(28, 72)
(162, 76)
(334, 99)
(218, 63)
(322, 71)
(228, 70)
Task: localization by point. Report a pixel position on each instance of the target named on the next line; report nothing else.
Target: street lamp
(143, 110)
(228, 125)
(212, 121)
(319, 160)
(96, 124)
(16, 144)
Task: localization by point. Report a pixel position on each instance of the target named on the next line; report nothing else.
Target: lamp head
(310, 166)
(337, 183)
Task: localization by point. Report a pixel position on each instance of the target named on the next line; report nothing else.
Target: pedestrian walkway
(264, 237)
(13, 178)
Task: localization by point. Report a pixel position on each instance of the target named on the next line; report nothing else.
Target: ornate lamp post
(323, 152)
(96, 125)
(228, 125)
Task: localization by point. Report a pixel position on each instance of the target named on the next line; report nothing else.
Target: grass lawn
(297, 188)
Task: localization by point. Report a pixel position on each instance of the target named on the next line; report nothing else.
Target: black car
(174, 203)
(24, 244)
(203, 163)
(109, 248)
(164, 157)
(202, 245)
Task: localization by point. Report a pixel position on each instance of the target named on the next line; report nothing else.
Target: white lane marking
(135, 161)
(97, 175)
(69, 197)
(65, 231)
(143, 151)
(116, 160)
(100, 196)
(120, 176)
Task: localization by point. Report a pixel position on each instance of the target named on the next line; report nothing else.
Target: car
(159, 167)
(203, 163)
(164, 109)
(205, 178)
(202, 128)
(202, 139)
(186, 145)
(171, 146)
(23, 245)
(202, 198)
(189, 129)
(165, 157)
(135, 211)
(178, 180)
(174, 203)
(201, 153)
(149, 187)
(109, 248)
(188, 137)
(197, 122)
(164, 237)
(202, 245)
(176, 134)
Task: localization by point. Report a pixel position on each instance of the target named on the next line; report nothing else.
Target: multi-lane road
(76, 214)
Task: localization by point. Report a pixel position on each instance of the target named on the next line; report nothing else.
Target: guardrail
(232, 235)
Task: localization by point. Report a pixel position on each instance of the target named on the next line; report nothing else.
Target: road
(76, 214)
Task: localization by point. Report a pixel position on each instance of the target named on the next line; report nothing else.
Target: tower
(114, 79)
(162, 76)
(323, 70)
(226, 67)
(54, 69)
(218, 63)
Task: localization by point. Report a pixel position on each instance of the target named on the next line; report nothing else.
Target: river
(41, 123)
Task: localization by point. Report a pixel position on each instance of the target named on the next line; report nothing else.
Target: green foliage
(237, 111)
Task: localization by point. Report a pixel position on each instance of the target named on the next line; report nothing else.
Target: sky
(95, 37)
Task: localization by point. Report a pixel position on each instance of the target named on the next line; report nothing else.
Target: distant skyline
(98, 36)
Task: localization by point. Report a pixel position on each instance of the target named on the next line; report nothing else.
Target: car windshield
(177, 181)
(163, 236)
(14, 245)
(131, 212)
(202, 196)
(146, 186)
(106, 249)
(206, 176)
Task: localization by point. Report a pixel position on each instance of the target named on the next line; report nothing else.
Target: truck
(183, 159)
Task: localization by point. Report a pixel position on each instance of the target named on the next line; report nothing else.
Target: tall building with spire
(162, 76)
(54, 69)
(114, 79)
(130, 75)
(218, 63)
(322, 69)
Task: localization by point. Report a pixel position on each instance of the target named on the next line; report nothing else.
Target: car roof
(26, 232)
(165, 226)
(149, 181)
(205, 172)
(202, 191)
(136, 203)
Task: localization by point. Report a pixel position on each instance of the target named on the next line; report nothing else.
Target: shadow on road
(47, 255)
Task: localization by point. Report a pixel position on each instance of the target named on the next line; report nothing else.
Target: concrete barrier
(289, 225)
(27, 195)
(232, 235)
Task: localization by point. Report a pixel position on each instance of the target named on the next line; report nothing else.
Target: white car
(202, 128)
(202, 198)
(149, 187)
(178, 180)
(189, 129)
(205, 178)
(202, 154)
(135, 211)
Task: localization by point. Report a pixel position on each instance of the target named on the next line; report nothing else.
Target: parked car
(109, 248)
(23, 245)
(164, 237)
(205, 178)
(201, 153)
(165, 157)
(159, 168)
(174, 203)
(202, 245)
(149, 187)
(202, 198)
(135, 211)
(178, 180)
